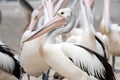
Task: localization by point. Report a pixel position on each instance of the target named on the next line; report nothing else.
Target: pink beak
(55, 22)
(88, 4)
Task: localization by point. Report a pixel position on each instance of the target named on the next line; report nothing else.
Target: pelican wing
(88, 60)
(85, 60)
(8, 62)
(104, 43)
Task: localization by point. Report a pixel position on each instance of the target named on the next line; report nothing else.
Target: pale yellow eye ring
(36, 17)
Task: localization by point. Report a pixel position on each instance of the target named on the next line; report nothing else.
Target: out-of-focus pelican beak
(34, 20)
(88, 5)
(33, 25)
(58, 6)
(55, 22)
(105, 27)
(92, 4)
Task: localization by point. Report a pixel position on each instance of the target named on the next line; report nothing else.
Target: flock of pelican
(60, 35)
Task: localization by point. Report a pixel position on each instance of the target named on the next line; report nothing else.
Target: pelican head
(62, 18)
(66, 13)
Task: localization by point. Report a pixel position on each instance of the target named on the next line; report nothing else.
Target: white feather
(105, 41)
(6, 62)
(88, 60)
(31, 59)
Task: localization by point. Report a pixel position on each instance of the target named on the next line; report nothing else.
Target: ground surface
(13, 21)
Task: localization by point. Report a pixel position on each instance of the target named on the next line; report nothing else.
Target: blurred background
(13, 20)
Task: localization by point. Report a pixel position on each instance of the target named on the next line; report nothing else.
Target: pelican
(101, 40)
(111, 31)
(9, 62)
(31, 49)
(96, 66)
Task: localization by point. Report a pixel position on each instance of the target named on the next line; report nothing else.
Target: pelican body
(30, 58)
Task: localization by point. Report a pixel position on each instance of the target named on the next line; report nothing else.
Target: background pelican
(31, 49)
(9, 63)
(112, 31)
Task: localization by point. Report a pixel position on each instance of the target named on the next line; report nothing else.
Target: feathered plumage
(9, 63)
(108, 73)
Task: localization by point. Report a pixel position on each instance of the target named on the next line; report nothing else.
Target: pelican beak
(33, 25)
(89, 10)
(105, 29)
(58, 5)
(92, 4)
(55, 22)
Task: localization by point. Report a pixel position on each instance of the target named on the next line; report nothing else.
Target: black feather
(26, 6)
(17, 70)
(102, 44)
(108, 74)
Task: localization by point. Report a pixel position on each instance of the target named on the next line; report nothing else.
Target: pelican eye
(36, 17)
(62, 13)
